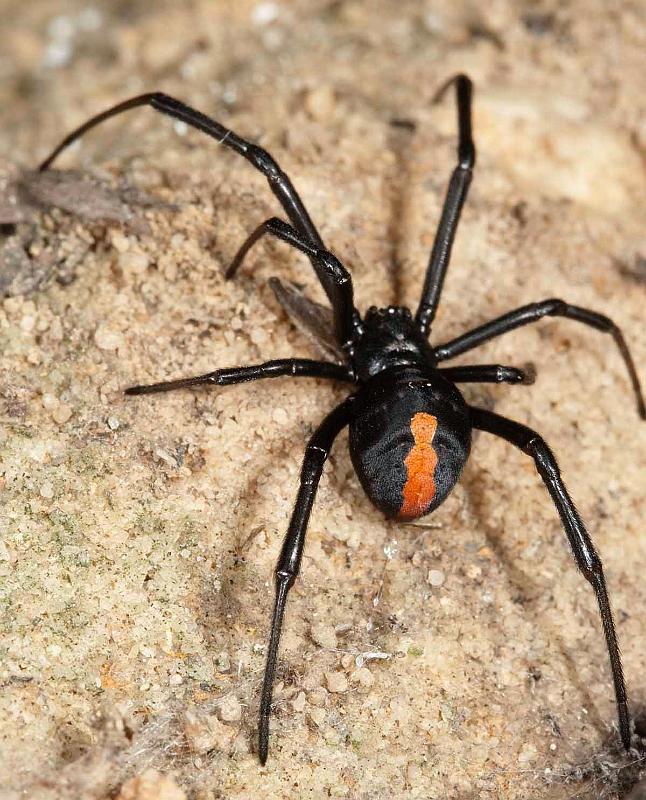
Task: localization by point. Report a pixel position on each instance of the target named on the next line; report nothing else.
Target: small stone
(299, 702)
(113, 423)
(176, 679)
(56, 330)
(324, 635)
(280, 416)
(229, 709)
(205, 732)
(264, 13)
(413, 774)
(62, 413)
(336, 682)
(240, 744)
(151, 785)
(317, 716)
(106, 339)
(120, 242)
(5, 555)
(528, 753)
(258, 336)
(136, 263)
(224, 662)
(320, 103)
(347, 660)
(47, 491)
(435, 577)
(49, 402)
(317, 697)
(363, 676)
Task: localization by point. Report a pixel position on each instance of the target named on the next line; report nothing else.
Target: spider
(409, 425)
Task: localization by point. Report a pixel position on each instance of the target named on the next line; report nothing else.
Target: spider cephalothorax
(389, 338)
(410, 428)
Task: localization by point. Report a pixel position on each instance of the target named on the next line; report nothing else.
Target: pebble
(28, 323)
(317, 716)
(528, 753)
(113, 423)
(320, 103)
(258, 336)
(317, 697)
(134, 262)
(49, 402)
(435, 577)
(62, 413)
(120, 242)
(47, 491)
(229, 709)
(106, 339)
(413, 774)
(176, 679)
(336, 682)
(324, 635)
(264, 13)
(205, 732)
(347, 661)
(363, 676)
(298, 703)
(224, 662)
(151, 785)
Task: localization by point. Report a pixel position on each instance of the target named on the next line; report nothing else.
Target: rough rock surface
(138, 535)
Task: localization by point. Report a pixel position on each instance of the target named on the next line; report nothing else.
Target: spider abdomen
(409, 439)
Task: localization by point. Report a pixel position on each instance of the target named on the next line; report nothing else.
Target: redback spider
(410, 427)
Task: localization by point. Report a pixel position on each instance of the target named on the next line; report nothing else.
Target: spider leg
(295, 367)
(291, 553)
(535, 311)
(489, 373)
(455, 196)
(279, 182)
(583, 549)
(333, 275)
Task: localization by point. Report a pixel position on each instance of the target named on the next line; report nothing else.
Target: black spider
(410, 427)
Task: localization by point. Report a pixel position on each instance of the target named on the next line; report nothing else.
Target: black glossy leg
(291, 553)
(536, 311)
(583, 549)
(489, 373)
(455, 196)
(294, 367)
(334, 277)
(279, 183)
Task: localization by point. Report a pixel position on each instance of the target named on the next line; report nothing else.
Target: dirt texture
(459, 657)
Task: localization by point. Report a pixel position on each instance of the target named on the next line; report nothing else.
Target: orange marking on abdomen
(419, 489)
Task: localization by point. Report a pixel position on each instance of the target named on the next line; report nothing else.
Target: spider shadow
(525, 588)
(235, 617)
(399, 136)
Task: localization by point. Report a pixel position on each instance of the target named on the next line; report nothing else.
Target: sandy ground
(460, 657)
